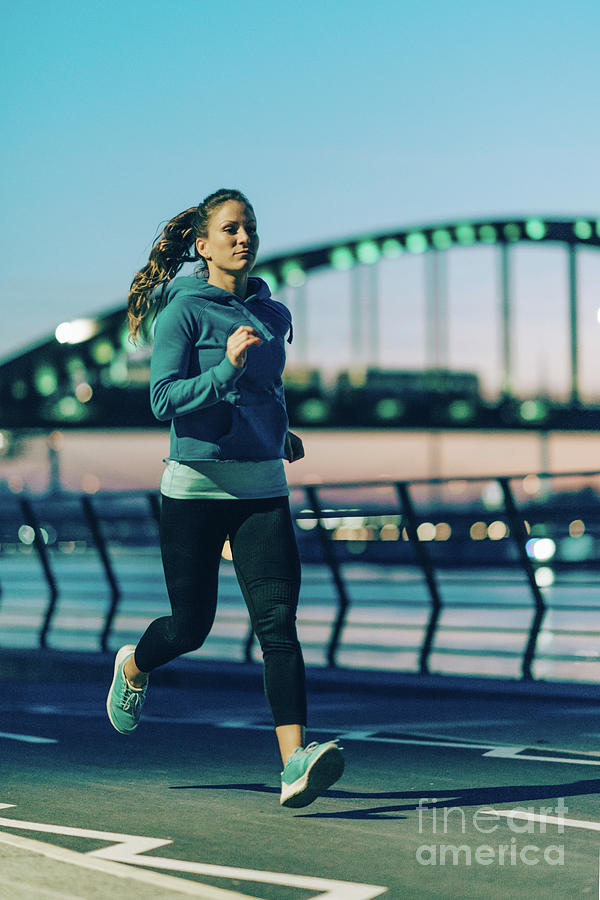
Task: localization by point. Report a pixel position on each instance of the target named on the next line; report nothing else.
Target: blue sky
(334, 117)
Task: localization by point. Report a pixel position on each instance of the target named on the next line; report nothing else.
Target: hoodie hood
(196, 286)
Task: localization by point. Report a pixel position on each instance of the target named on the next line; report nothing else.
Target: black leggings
(267, 565)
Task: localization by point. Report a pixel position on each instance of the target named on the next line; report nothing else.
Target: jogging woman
(218, 356)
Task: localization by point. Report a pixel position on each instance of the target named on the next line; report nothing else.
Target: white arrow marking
(539, 817)
(83, 860)
(27, 738)
(128, 847)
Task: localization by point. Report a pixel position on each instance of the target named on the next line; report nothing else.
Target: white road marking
(517, 753)
(541, 818)
(126, 848)
(372, 733)
(118, 870)
(27, 738)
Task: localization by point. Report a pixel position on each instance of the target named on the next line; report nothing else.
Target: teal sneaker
(124, 703)
(310, 771)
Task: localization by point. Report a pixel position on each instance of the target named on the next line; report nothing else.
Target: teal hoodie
(217, 410)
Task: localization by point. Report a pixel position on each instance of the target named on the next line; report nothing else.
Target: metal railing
(545, 548)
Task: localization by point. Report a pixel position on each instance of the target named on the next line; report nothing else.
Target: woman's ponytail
(175, 246)
(170, 251)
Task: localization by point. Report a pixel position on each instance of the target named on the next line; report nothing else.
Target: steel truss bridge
(87, 374)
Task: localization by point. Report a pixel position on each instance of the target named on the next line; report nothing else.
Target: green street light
(512, 232)
(441, 239)
(392, 248)
(46, 380)
(465, 234)
(535, 229)
(582, 229)
(367, 252)
(416, 242)
(268, 276)
(487, 234)
(293, 273)
(341, 258)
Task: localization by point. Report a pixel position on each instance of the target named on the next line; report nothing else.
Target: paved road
(448, 793)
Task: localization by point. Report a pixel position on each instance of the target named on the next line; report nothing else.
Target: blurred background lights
(389, 408)
(582, 229)
(544, 577)
(533, 410)
(342, 258)
(441, 239)
(312, 410)
(492, 496)
(389, 532)
(426, 531)
(512, 232)
(465, 234)
(307, 524)
(535, 229)
(416, 242)
(487, 234)
(293, 273)
(46, 380)
(478, 531)
(68, 408)
(268, 276)
(497, 531)
(26, 534)
(76, 331)
(443, 531)
(83, 392)
(461, 410)
(90, 484)
(576, 528)
(540, 549)
(102, 351)
(392, 248)
(367, 252)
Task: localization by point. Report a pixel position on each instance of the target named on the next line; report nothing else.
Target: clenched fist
(238, 343)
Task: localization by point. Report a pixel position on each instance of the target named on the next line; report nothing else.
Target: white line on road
(126, 848)
(541, 818)
(383, 733)
(27, 738)
(117, 869)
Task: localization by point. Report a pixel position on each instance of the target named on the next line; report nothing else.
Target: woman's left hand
(294, 448)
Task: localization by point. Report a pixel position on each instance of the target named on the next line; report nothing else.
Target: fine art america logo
(523, 847)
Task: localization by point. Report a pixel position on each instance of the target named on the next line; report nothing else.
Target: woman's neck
(233, 283)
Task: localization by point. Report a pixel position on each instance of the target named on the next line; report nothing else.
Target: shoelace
(313, 746)
(131, 701)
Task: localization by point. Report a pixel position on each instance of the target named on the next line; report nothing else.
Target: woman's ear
(201, 248)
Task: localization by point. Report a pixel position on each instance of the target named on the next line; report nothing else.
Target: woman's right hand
(238, 343)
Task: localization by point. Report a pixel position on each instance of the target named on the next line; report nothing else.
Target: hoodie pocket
(258, 431)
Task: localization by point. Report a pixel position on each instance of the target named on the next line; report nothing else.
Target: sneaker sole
(121, 656)
(321, 774)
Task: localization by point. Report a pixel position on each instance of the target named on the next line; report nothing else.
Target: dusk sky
(336, 119)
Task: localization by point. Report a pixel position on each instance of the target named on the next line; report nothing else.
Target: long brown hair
(174, 246)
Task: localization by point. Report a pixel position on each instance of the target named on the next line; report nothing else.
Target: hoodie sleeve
(172, 392)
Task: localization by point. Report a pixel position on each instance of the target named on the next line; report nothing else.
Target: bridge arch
(76, 377)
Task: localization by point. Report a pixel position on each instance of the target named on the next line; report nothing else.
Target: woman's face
(232, 242)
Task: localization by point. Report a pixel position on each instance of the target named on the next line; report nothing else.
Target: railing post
(102, 549)
(517, 529)
(426, 564)
(42, 552)
(333, 563)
